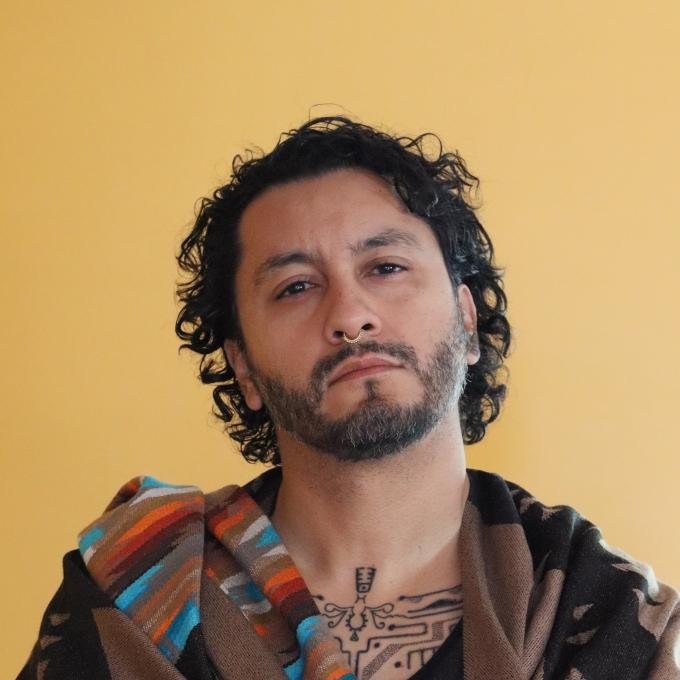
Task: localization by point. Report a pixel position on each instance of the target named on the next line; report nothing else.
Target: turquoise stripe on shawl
(185, 622)
(268, 537)
(296, 670)
(136, 588)
(91, 537)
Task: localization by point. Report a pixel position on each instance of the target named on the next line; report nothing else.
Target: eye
(293, 289)
(390, 266)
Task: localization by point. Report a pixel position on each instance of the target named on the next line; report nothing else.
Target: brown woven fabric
(545, 598)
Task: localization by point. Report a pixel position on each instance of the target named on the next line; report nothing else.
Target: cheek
(431, 306)
(284, 355)
(288, 330)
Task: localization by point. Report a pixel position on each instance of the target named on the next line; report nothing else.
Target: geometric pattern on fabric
(265, 584)
(545, 597)
(578, 608)
(146, 554)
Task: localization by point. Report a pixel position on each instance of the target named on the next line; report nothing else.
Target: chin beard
(377, 427)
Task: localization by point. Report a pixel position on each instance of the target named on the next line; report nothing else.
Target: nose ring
(353, 340)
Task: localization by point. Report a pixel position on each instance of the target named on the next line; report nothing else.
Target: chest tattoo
(398, 636)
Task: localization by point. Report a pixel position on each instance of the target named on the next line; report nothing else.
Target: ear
(236, 356)
(468, 310)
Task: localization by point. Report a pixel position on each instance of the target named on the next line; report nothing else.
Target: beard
(377, 426)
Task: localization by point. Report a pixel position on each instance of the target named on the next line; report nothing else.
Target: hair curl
(435, 186)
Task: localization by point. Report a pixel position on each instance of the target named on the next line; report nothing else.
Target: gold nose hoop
(353, 340)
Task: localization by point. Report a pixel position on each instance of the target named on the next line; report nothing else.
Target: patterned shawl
(170, 583)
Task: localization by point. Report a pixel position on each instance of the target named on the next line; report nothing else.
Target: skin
(335, 516)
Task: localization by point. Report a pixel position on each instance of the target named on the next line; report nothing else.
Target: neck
(400, 514)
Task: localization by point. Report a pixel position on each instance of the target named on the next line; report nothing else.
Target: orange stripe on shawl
(220, 527)
(284, 576)
(279, 593)
(152, 517)
(142, 540)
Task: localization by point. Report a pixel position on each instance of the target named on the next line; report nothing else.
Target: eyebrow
(387, 237)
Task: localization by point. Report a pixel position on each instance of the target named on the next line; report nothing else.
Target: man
(345, 303)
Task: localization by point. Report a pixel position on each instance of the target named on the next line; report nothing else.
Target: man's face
(339, 253)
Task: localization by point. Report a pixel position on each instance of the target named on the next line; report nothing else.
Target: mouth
(362, 372)
(362, 368)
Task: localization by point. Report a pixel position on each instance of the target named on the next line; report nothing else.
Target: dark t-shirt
(447, 662)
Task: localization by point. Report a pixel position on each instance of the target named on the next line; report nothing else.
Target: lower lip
(363, 372)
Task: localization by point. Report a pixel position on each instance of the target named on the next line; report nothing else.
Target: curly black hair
(435, 186)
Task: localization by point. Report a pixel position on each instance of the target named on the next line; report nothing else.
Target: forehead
(328, 215)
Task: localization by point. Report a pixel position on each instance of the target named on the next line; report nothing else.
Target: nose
(348, 314)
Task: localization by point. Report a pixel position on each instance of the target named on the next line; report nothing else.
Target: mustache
(404, 353)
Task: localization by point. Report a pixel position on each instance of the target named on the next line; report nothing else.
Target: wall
(119, 116)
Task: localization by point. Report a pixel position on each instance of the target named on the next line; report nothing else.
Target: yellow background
(118, 116)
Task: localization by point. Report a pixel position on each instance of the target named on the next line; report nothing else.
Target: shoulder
(501, 502)
(560, 530)
(605, 604)
(145, 554)
(142, 508)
